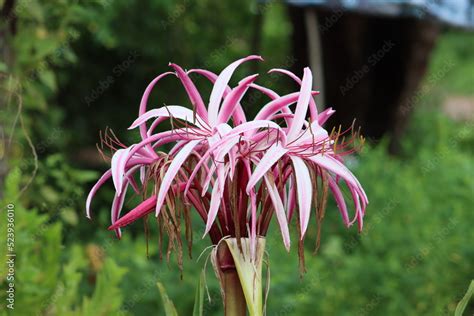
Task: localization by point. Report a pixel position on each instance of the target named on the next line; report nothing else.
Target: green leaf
(107, 298)
(199, 298)
(465, 300)
(48, 78)
(170, 310)
(69, 215)
(3, 67)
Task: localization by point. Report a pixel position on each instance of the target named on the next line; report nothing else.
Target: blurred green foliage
(49, 278)
(80, 66)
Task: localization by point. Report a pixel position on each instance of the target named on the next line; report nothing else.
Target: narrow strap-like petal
(220, 86)
(192, 92)
(139, 211)
(304, 190)
(313, 110)
(301, 105)
(171, 111)
(106, 176)
(173, 169)
(238, 115)
(119, 161)
(279, 210)
(268, 160)
(341, 204)
(144, 102)
(213, 208)
(325, 115)
(233, 98)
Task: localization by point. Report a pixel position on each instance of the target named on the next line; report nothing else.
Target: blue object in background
(454, 12)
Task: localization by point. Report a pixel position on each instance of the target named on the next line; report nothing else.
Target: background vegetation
(79, 67)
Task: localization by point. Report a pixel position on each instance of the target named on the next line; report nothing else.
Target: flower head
(234, 172)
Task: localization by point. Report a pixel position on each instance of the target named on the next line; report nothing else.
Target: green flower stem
(234, 295)
(249, 269)
(234, 299)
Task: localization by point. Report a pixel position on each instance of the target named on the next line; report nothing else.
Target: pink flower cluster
(234, 172)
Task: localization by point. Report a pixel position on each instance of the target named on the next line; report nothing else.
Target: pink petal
(233, 98)
(268, 160)
(209, 178)
(119, 161)
(142, 174)
(276, 105)
(220, 86)
(291, 201)
(304, 191)
(144, 101)
(117, 205)
(173, 111)
(238, 115)
(359, 213)
(301, 105)
(312, 104)
(279, 211)
(193, 93)
(331, 164)
(268, 92)
(173, 169)
(341, 204)
(213, 208)
(252, 125)
(106, 176)
(325, 115)
(314, 134)
(139, 211)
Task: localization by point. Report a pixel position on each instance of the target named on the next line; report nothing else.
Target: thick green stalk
(234, 295)
(234, 299)
(249, 270)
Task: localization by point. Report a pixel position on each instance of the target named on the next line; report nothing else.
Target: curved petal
(173, 169)
(304, 190)
(268, 92)
(144, 100)
(213, 208)
(268, 160)
(325, 115)
(106, 176)
(238, 115)
(333, 165)
(139, 211)
(172, 111)
(279, 211)
(276, 105)
(341, 204)
(233, 98)
(313, 109)
(314, 133)
(119, 161)
(220, 86)
(117, 205)
(192, 92)
(301, 105)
